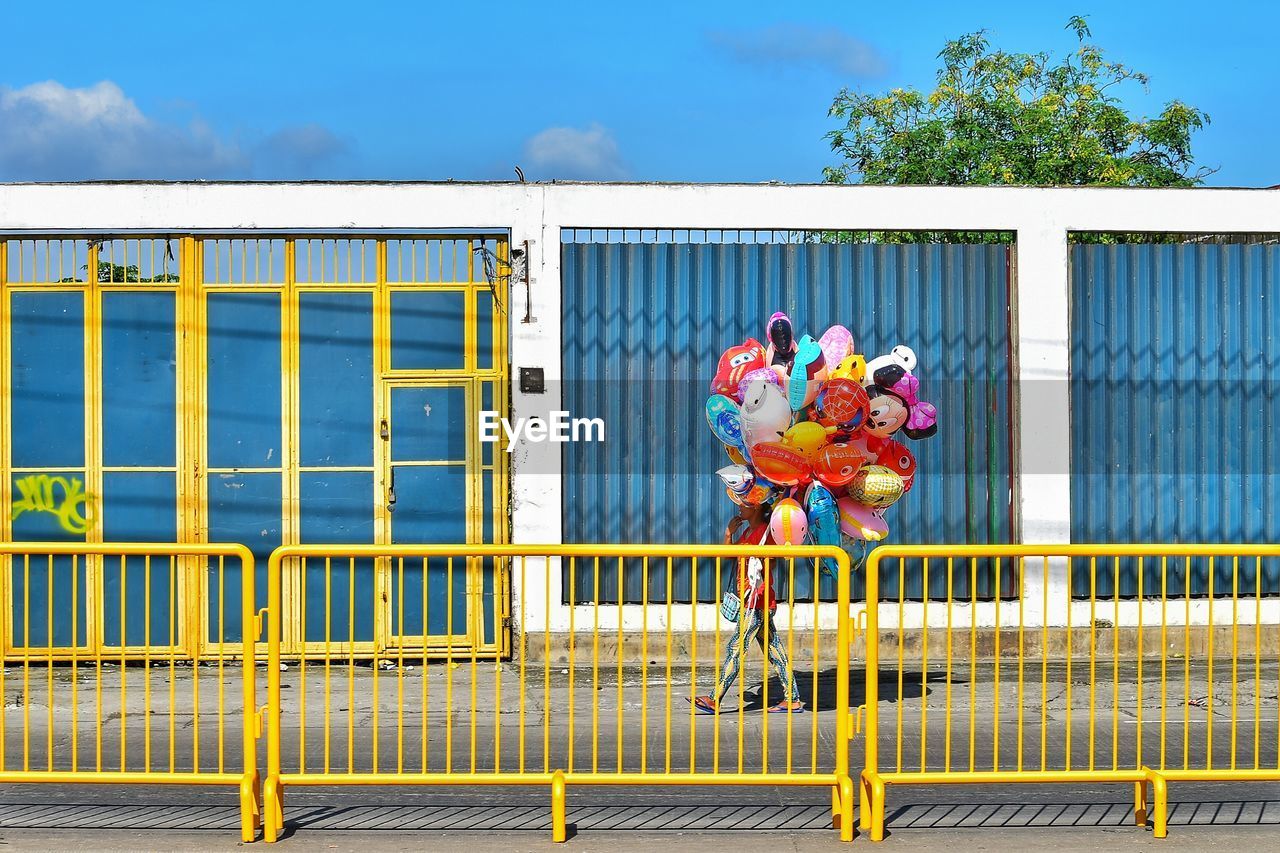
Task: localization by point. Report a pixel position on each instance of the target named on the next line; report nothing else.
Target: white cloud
(590, 153)
(791, 45)
(51, 132)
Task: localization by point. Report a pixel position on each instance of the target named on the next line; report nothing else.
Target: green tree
(1015, 118)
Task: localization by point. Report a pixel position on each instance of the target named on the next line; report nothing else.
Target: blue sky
(709, 91)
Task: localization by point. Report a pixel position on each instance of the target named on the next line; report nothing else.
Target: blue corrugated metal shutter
(1175, 350)
(643, 327)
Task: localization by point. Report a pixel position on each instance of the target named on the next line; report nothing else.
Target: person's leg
(746, 629)
(777, 654)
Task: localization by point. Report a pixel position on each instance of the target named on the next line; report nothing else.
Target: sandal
(783, 707)
(705, 705)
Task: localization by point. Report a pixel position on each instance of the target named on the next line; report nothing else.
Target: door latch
(391, 492)
(384, 431)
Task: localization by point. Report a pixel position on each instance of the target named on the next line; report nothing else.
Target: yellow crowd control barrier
(78, 707)
(1139, 664)
(592, 692)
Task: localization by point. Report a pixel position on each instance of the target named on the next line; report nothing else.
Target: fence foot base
(1159, 804)
(875, 805)
(1140, 803)
(845, 795)
(250, 807)
(864, 804)
(272, 809)
(559, 831)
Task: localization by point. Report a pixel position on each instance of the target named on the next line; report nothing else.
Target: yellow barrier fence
(78, 708)
(592, 693)
(1138, 664)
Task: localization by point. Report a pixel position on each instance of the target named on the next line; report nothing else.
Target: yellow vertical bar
(478, 635)
(1022, 622)
(124, 681)
(1164, 654)
(1235, 651)
(1257, 663)
(644, 663)
(791, 643)
(1070, 604)
(75, 655)
(546, 671)
(351, 674)
(49, 724)
(146, 672)
(6, 488)
(328, 651)
(995, 702)
(902, 592)
(222, 658)
(26, 666)
(524, 642)
(573, 652)
(1141, 653)
(667, 749)
(448, 673)
(973, 662)
(426, 680)
(620, 728)
(173, 671)
(693, 666)
(1208, 734)
(1044, 669)
(1186, 663)
(595, 664)
(924, 662)
(946, 719)
(1115, 665)
(500, 570)
(1093, 656)
(400, 668)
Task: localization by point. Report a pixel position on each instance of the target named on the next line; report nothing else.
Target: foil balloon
(806, 375)
(837, 345)
(876, 486)
(853, 367)
(861, 522)
(781, 464)
(788, 524)
(736, 456)
(765, 414)
(843, 403)
(735, 364)
(766, 374)
(756, 495)
(807, 438)
(888, 369)
(824, 522)
(737, 478)
(725, 420)
(895, 456)
(782, 342)
(835, 464)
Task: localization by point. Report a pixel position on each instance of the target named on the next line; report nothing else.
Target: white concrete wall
(1041, 218)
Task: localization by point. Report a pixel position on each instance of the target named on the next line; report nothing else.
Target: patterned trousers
(751, 626)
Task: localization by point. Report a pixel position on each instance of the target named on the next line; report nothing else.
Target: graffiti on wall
(61, 497)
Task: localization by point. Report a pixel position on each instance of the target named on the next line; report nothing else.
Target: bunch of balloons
(810, 427)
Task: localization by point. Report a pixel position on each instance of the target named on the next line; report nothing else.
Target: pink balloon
(836, 344)
(788, 524)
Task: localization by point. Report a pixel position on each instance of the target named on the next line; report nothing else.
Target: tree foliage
(1015, 118)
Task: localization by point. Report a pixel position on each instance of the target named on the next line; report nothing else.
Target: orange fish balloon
(836, 464)
(895, 456)
(780, 463)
